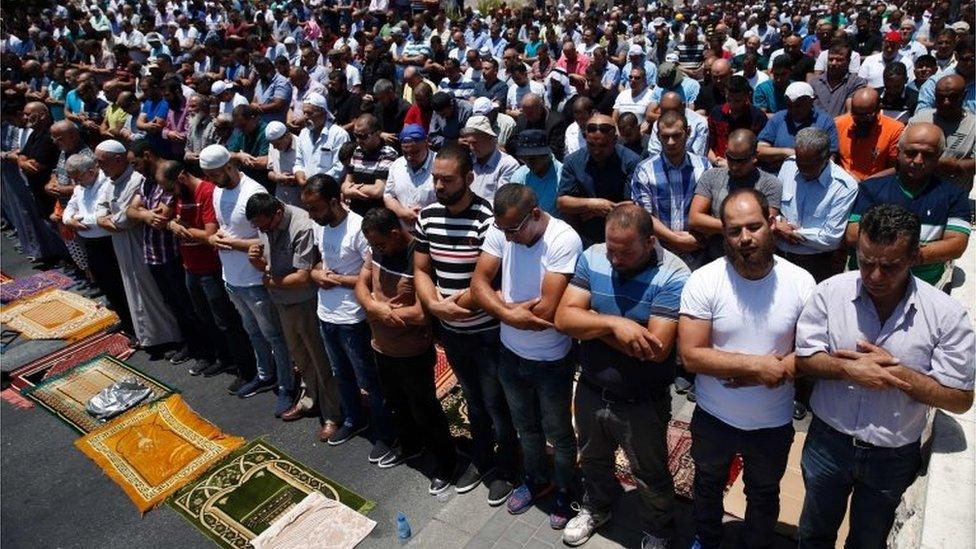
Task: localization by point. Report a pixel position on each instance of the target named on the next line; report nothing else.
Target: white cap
(289, 40)
(797, 90)
(960, 27)
(658, 22)
(635, 49)
(478, 123)
(220, 86)
(317, 100)
(483, 106)
(275, 130)
(213, 157)
(111, 146)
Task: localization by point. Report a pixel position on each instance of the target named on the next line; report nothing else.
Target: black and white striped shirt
(453, 243)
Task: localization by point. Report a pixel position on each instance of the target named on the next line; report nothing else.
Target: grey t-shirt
(960, 135)
(288, 248)
(715, 185)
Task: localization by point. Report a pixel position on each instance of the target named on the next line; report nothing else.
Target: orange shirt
(870, 154)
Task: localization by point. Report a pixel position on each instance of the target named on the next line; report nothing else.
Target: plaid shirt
(159, 246)
(666, 190)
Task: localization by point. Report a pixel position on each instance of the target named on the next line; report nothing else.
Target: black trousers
(408, 386)
(104, 267)
(171, 280)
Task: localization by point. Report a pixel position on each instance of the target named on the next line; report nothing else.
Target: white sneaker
(579, 528)
(654, 542)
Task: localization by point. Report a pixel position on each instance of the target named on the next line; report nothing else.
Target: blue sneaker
(255, 386)
(525, 495)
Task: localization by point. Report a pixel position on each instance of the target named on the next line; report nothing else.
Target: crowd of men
(756, 205)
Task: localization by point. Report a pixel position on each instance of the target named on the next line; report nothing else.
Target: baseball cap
(635, 49)
(658, 22)
(220, 86)
(532, 143)
(412, 132)
(668, 75)
(478, 123)
(960, 27)
(893, 36)
(797, 90)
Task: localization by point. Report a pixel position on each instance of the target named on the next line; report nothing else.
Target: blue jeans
(764, 455)
(221, 321)
(833, 469)
(260, 320)
(354, 367)
(474, 360)
(540, 395)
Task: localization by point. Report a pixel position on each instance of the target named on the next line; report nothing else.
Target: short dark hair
(323, 185)
(669, 118)
(627, 118)
(895, 69)
(758, 196)
(172, 169)
(884, 224)
(457, 153)
(739, 84)
(840, 47)
(140, 147)
(631, 215)
(514, 195)
(928, 60)
(783, 62)
(381, 220)
(261, 204)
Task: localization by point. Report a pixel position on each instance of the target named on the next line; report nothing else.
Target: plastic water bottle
(403, 529)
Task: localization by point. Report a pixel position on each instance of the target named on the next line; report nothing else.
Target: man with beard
(342, 320)
(715, 184)
(318, 144)
(369, 167)
(866, 40)
(234, 237)
(153, 321)
(199, 128)
(917, 186)
(450, 233)
(885, 350)
(272, 92)
(738, 316)
(868, 139)
(603, 98)
(248, 144)
(736, 113)
(835, 86)
(958, 125)
(343, 104)
(622, 303)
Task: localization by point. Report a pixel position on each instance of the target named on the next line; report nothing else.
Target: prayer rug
(444, 379)
(155, 449)
(12, 396)
(57, 314)
(67, 393)
(31, 374)
(34, 284)
(456, 410)
(247, 492)
(4, 277)
(680, 464)
(316, 521)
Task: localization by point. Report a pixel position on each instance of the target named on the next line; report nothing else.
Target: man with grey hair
(389, 109)
(199, 128)
(817, 199)
(79, 215)
(67, 137)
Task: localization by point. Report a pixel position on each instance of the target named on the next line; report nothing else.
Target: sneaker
(522, 497)
(498, 491)
(218, 368)
(380, 450)
(235, 385)
(799, 410)
(438, 484)
(681, 385)
(344, 433)
(468, 480)
(180, 356)
(562, 510)
(651, 541)
(255, 386)
(581, 527)
(200, 365)
(285, 401)
(397, 456)
(691, 395)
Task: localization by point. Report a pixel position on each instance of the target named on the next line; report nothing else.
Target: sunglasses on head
(602, 128)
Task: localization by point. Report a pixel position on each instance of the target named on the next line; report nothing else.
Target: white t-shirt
(343, 249)
(522, 270)
(229, 204)
(756, 317)
(626, 102)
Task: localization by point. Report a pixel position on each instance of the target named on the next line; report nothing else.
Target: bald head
(532, 100)
(671, 101)
(721, 67)
(64, 127)
(922, 133)
(919, 150)
(865, 98)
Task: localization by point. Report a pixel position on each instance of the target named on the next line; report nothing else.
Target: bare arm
(695, 347)
(927, 390)
(768, 153)
(952, 246)
(700, 217)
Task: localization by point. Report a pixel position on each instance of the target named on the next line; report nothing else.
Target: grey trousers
(300, 325)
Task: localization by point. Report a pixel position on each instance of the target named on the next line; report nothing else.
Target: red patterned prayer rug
(4, 277)
(444, 379)
(34, 284)
(31, 374)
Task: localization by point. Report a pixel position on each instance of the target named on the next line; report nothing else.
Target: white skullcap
(111, 146)
(317, 100)
(290, 40)
(213, 157)
(482, 105)
(275, 130)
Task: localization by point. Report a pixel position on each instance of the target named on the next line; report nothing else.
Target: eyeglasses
(738, 160)
(602, 128)
(517, 228)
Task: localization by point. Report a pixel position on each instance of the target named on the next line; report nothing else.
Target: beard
(756, 262)
(452, 199)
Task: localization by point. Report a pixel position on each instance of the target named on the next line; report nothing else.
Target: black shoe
(691, 396)
(345, 433)
(236, 385)
(439, 484)
(380, 450)
(217, 368)
(180, 356)
(498, 490)
(468, 480)
(200, 365)
(397, 456)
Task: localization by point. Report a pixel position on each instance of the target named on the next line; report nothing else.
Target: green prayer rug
(244, 494)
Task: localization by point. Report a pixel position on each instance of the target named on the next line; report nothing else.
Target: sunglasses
(738, 160)
(602, 128)
(517, 228)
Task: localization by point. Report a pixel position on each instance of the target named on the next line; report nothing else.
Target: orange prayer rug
(57, 314)
(156, 449)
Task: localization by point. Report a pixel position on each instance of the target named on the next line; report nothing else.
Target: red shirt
(194, 212)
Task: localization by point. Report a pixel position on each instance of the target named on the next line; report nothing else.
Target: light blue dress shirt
(926, 95)
(820, 208)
